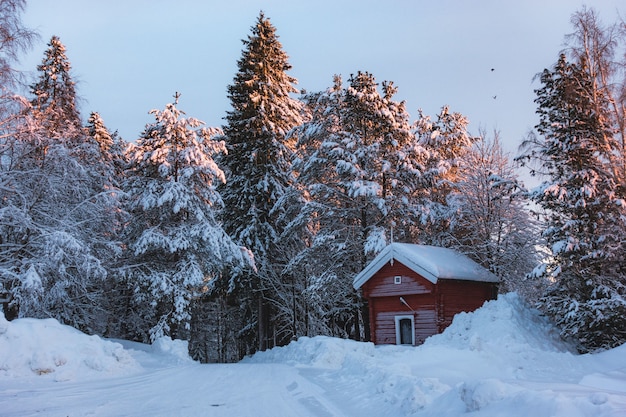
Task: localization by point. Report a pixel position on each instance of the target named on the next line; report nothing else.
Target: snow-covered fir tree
(447, 141)
(575, 150)
(357, 163)
(112, 147)
(258, 171)
(54, 94)
(59, 215)
(179, 249)
(98, 131)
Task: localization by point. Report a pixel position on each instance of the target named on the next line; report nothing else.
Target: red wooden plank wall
(382, 284)
(456, 296)
(432, 306)
(385, 309)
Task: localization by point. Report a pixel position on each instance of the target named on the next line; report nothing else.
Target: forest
(246, 236)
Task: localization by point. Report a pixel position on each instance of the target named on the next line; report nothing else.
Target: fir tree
(59, 217)
(258, 165)
(112, 148)
(447, 142)
(98, 131)
(178, 246)
(54, 102)
(357, 164)
(585, 216)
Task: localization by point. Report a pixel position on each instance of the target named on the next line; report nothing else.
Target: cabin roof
(431, 262)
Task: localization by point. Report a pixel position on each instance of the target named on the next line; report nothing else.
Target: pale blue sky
(130, 56)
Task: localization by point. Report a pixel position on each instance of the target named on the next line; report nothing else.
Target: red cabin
(414, 291)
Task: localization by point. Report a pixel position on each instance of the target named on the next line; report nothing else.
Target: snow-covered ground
(502, 360)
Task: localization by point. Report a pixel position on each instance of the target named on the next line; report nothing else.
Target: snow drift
(504, 359)
(46, 347)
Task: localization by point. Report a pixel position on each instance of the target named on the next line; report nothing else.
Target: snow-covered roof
(431, 262)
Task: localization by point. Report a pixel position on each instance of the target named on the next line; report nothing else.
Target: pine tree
(178, 246)
(585, 216)
(54, 103)
(112, 148)
(258, 167)
(447, 142)
(357, 163)
(59, 218)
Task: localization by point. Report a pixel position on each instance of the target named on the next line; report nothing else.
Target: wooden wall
(432, 306)
(382, 283)
(456, 296)
(384, 309)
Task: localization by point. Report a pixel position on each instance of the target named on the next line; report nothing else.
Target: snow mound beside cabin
(501, 354)
(508, 338)
(31, 347)
(505, 324)
(506, 327)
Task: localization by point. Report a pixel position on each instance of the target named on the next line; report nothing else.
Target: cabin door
(405, 330)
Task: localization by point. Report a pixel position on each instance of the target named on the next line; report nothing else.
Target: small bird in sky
(493, 69)
(494, 97)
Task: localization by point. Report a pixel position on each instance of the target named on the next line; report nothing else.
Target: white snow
(504, 359)
(54, 352)
(432, 262)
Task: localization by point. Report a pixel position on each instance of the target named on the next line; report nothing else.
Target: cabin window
(405, 330)
(397, 279)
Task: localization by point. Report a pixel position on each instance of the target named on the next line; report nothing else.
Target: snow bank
(163, 352)
(31, 347)
(177, 350)
(503, 359)
(510, 339)
(505, 324)
(505, 327)
(319, 352)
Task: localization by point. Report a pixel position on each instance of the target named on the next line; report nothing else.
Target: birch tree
(493, 223)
